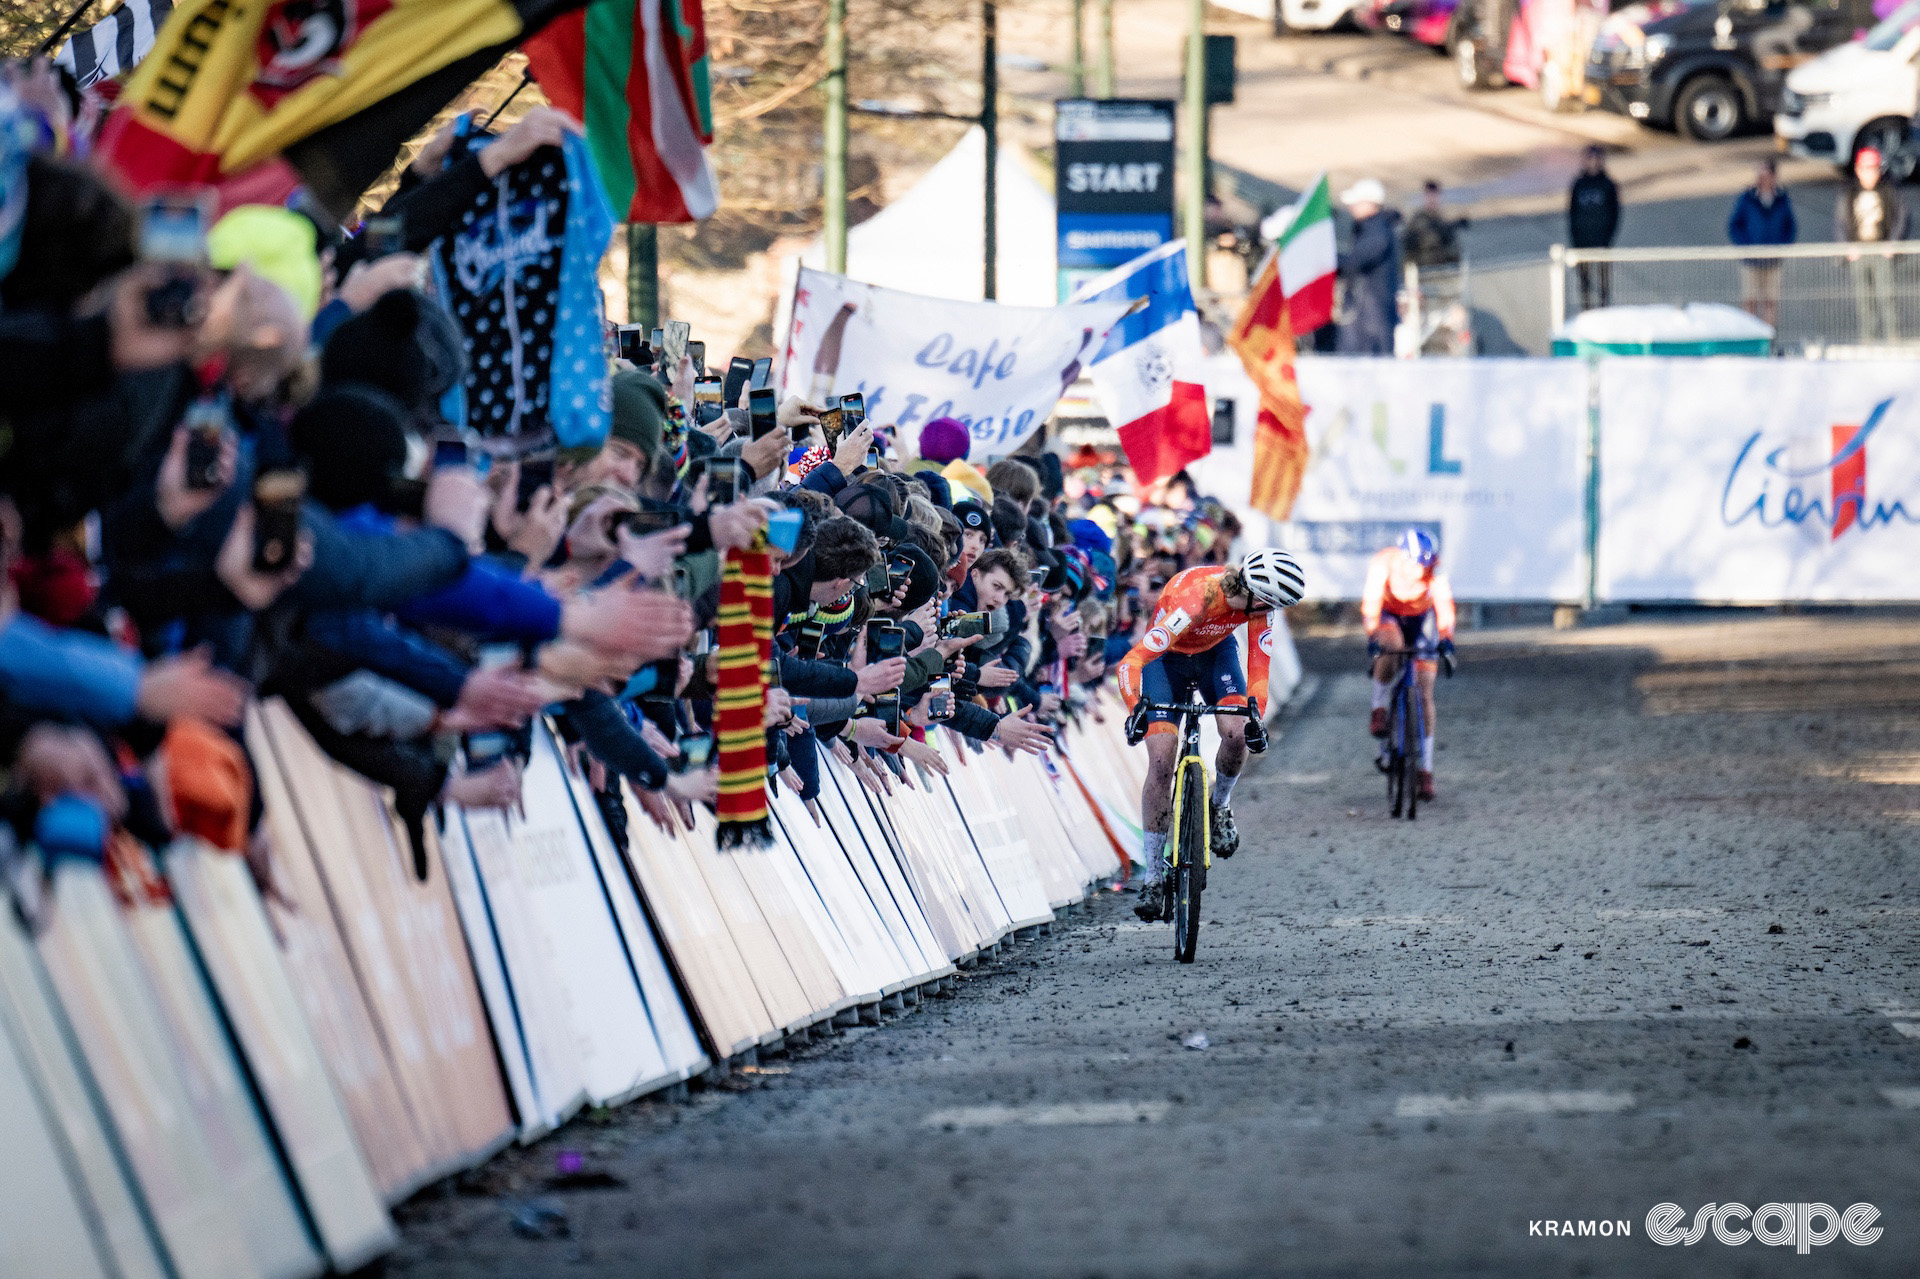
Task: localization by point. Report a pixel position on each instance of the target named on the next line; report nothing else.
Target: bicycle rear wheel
(1190, 876)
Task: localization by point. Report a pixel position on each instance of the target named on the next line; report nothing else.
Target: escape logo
(1775, 1225)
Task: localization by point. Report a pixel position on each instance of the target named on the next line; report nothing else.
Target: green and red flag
(634, 72)
(1308, 258)
(334, 86)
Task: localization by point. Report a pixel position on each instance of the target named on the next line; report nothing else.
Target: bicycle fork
(1192, 771)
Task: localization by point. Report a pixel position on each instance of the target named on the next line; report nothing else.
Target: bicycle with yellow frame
(1188, 853)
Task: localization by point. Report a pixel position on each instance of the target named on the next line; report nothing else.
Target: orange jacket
(1192, 617)
(1397, 584)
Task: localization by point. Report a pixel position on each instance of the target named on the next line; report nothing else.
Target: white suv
(1857, 95)
(1313, 15)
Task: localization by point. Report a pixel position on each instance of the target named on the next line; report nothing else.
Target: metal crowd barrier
(1823, 300)
(201, 1082)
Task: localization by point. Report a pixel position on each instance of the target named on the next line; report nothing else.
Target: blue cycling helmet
(1420, 547)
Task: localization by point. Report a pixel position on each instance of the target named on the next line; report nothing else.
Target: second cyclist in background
(1408, 609)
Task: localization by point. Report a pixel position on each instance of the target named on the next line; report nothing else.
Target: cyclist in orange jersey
(1190, 647)
(1408, 608)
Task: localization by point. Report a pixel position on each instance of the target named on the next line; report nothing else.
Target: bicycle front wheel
(1396, 778)
(1190, 876)
(1186, 912)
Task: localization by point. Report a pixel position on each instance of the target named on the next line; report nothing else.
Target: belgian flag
(334, 86)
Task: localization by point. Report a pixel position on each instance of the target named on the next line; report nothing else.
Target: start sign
(1113, 183)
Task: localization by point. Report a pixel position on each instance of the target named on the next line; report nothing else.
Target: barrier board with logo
(1750, 481)
(1487, 455)
(384, 1021)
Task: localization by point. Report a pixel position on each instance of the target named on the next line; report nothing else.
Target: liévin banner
(1750, 481)
(1000, 369)
(1486, 455)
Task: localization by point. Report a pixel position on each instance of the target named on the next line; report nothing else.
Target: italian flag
(635, 73)
(1308, 258)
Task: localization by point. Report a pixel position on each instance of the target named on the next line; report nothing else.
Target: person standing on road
(1871, 212)
(1433, 238)
(1372, 271)
(1593, 218)
(1762, 215)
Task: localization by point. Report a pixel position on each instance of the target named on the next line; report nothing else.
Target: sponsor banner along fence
(1719, 480)
(205, 1083)
(1750, 481)
(1487, 455)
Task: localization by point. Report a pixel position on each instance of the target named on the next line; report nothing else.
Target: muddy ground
(1656, 942)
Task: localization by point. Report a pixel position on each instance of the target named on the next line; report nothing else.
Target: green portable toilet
(1698, 328)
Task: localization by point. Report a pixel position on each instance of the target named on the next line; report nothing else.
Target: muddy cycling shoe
(1425, 782)
(1153, 901)
(1224, 837)
(1377, 722)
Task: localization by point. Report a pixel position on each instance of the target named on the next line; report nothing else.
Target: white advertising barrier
(1486, 454)
(1000, 369)
(1748, 481)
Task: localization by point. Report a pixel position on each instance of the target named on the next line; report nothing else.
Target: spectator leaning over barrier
(1593, 219)
(1870, 211)
(1762, 215)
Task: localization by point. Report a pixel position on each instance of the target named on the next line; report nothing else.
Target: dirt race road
(1656, 943)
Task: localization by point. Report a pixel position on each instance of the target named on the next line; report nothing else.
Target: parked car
(1311, 15)
(1425, 21)
(1478, 41)
(1370, 15)
(1858, 95)
(1711, 67)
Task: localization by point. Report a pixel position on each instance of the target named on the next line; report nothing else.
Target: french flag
(1147, 373)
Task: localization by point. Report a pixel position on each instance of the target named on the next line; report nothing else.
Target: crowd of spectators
(243, 480)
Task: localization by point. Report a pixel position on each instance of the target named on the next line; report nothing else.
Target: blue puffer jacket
(1755, 221)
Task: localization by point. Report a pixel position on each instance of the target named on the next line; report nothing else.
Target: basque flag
(1147, 373)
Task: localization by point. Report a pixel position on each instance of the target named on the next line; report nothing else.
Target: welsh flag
(1303, 235)
(635, 73)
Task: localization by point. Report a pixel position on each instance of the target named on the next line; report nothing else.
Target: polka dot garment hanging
(501, 274)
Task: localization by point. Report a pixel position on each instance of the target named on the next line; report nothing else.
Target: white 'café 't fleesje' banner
(1751, 481)
(1486, 455)
(1000, 369)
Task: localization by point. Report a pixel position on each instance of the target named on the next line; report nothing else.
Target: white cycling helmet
(1273, 577)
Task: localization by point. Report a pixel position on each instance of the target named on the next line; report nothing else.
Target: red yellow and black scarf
(746, 645)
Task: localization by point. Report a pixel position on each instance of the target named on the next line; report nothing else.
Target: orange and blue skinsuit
(1398, 587)
(1190, 645)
